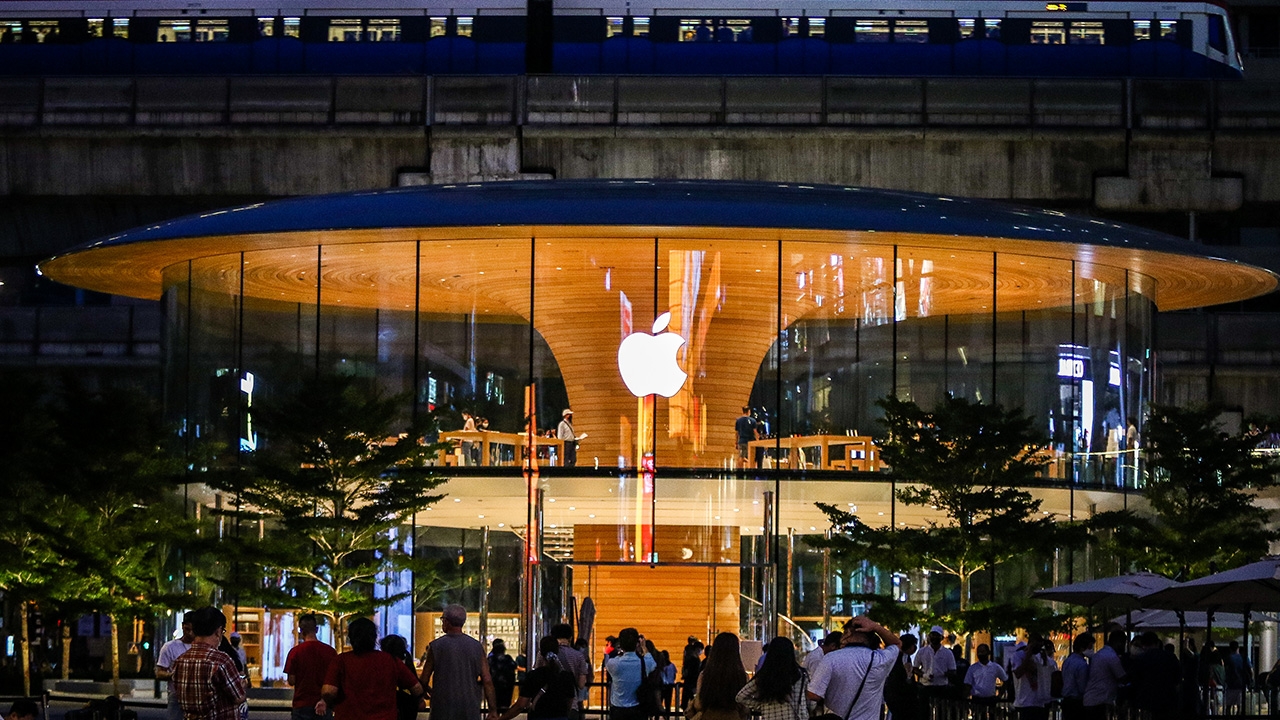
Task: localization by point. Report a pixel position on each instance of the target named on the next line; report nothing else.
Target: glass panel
(1169, 30)
(292, 27)
(11, 31)
(95, 28)
(211, 31)
(266, 27)
(438, 26)
(215, 404)
(1044, 32)
(44, 30)
(991, 29)
(910, 31)
(384, 30)
(968, 28)
(1086, 33)
(790, 27)
(836, 353)
(696, 30)
(464, 26)
(613, 26)
(1141, 29)
(174, 31)
(473, 341)
(817, 27)
(345, 30)
(640, 26)
(871, 31)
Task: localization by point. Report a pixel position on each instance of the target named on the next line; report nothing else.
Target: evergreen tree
(335, 476)
(1202, 490)
(969, 462)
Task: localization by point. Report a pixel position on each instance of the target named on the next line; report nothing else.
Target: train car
(718, 37)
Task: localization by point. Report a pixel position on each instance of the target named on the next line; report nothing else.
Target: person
(550, 689)
(746, 430)
(23, 709)
(718, 685)
(850, 681)
(169, 652)
(1153, 678)
(901, 692)
(1105, 675)
(1239, 677)
(935, 664)
(229, 650)
(1075, 675)
(455, 671)
(1189, 690)
(573, 661)
(777, 691)
(981, 678)
(830, 644)
(1011, 662)
(237, 645)
(205, 680)
(502, 668)
(690, 668)
(406, 702)
(1213, 676)
(625, 672)
(1032, 679)
(362, 683)
(668, 681)
(305, 667)
(564, 432)
(470, 448)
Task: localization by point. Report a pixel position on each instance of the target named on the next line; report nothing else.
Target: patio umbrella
(1255, 586)
(1121, 591)
(586, 618)
(1170, 620)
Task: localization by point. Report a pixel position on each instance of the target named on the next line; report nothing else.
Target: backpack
(559, 692)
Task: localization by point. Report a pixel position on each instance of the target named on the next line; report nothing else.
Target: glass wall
(706, 378)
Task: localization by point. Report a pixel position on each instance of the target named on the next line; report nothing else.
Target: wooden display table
(487, 448)
(835, 452)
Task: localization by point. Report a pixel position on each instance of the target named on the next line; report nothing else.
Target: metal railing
(640, 101)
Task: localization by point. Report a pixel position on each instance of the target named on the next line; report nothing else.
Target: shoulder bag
(832, 716)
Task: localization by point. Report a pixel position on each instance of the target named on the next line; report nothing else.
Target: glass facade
(806, 335)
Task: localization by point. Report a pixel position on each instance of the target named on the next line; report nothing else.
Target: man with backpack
(549, 690)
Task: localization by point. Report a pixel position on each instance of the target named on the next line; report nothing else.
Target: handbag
(832, 716)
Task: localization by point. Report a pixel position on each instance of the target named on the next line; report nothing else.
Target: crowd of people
(864, 672)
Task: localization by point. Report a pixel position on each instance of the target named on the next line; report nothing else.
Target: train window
(10, 31)
(737, 31)
(1141, 29)
(640, 26)
(210, 31)
(293, 27)
(991, 29)
(345, 30)
(1217, 33)
(1086, 33)
(384, 30)
(1046, 32)
(120, 27)
(174, 31)
(465, 25)
(817, 27)
(968, 29)
(266, 27)
(613, 27)
(871, 31)
(911, 31)
(695, 31)
(790, 27)
(438, 26)
(94, 28)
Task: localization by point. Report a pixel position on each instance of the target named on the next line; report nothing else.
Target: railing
(641, 101)
(1254, 703)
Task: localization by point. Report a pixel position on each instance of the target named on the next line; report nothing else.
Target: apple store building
(612, 335)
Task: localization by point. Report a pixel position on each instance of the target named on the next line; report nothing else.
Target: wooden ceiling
(730, 292)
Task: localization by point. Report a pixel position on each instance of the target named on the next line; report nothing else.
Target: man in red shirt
(306, 665)
(208, 685)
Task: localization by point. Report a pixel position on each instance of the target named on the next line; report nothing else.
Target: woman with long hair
(777, 690)
(397, 647)
(362, 683)
(720, 681)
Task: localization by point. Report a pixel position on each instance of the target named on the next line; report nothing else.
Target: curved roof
(1186, 274)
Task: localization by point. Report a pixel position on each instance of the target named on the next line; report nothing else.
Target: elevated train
(1109, 38)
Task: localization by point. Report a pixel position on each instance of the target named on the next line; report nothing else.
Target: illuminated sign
(1070, 368)
(649, 363)
(1067, 7)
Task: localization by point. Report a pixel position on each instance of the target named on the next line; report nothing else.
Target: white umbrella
(1255, 586)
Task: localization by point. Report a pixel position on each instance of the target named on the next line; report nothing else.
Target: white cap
(567, 411)
(937, 629)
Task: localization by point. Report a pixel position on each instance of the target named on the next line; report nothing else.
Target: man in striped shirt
(205, 679)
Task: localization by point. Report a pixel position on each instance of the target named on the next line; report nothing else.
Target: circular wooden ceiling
(476, 238)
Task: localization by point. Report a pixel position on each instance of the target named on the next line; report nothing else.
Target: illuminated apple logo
(648, 362)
